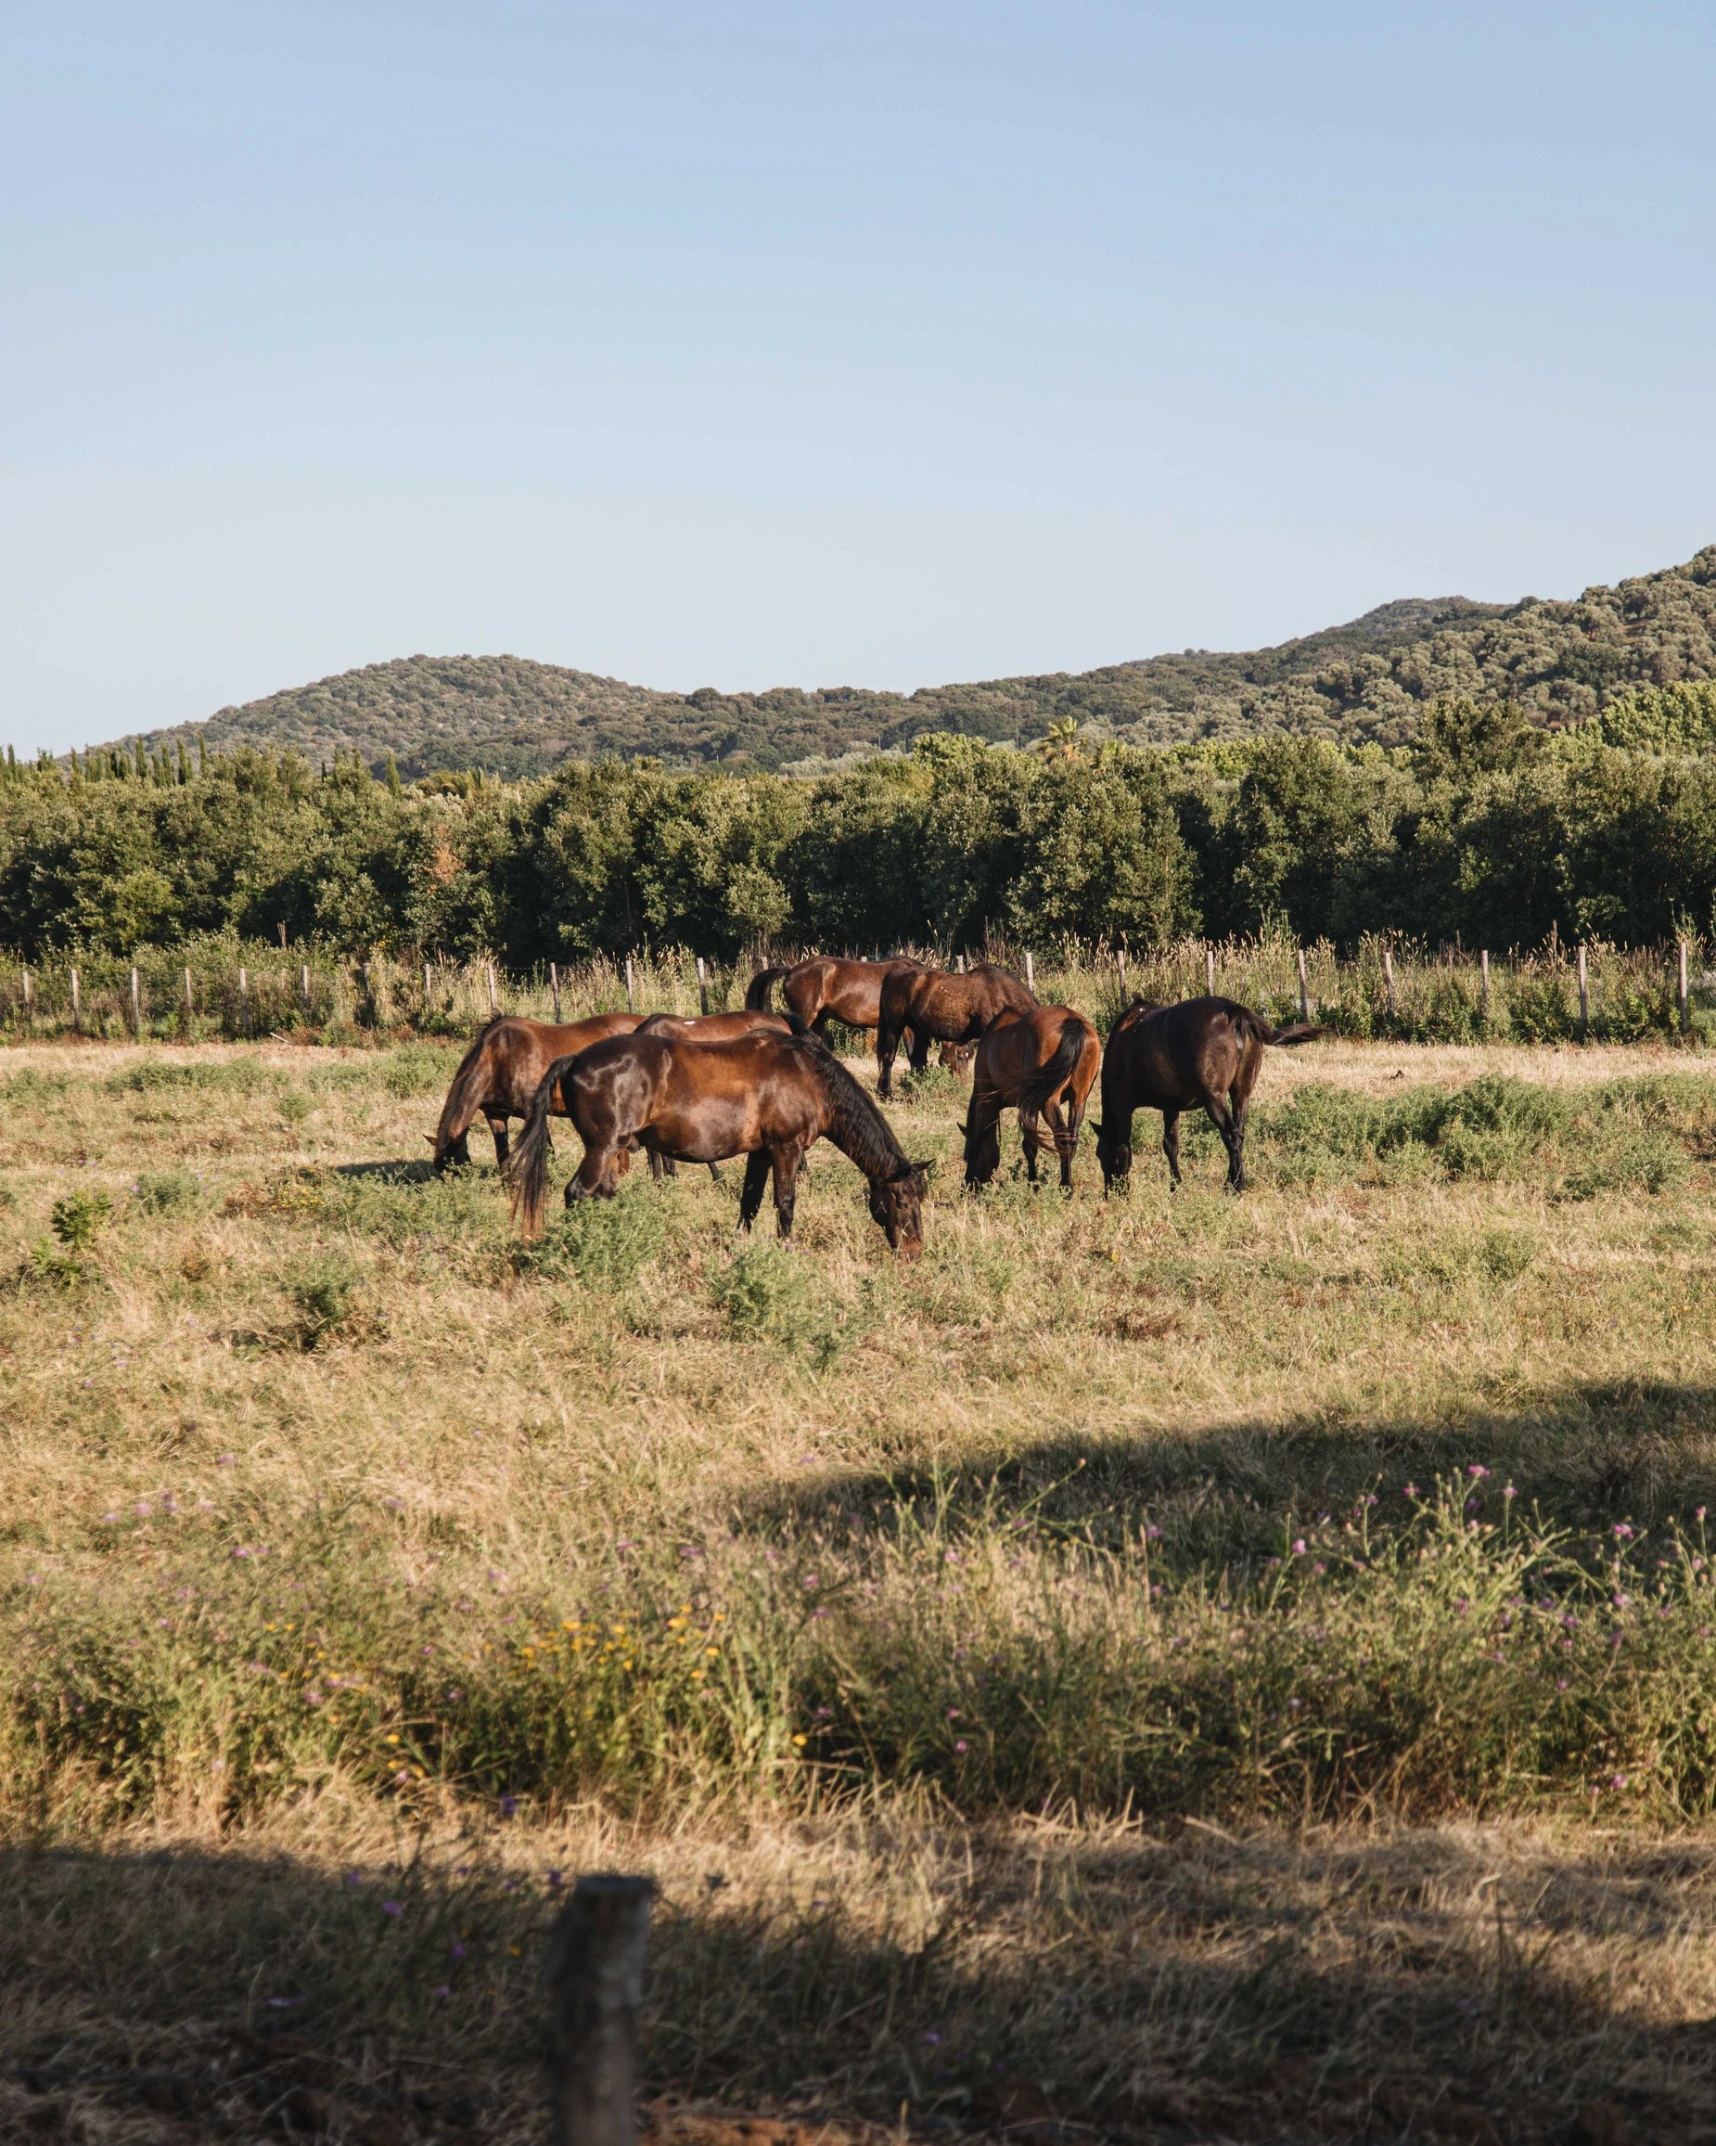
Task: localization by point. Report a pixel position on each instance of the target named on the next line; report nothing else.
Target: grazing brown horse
(941, 1006)
(704, 1028)
(499, 1075)
(1202, 1054)
(761, 1095)
(1036, 1062)
(828, 988)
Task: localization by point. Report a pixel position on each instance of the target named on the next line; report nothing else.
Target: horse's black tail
(1035, 1095)
(527, 1165)
(1299, 1032)
(760, 991)
(465, 1096)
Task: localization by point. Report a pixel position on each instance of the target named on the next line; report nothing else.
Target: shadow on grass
(1586, 1455)
(398, 1173)
(1365, 1986)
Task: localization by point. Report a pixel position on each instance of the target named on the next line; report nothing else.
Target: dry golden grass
(500, 1431)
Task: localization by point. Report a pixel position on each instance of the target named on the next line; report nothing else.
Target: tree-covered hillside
(1366, 681)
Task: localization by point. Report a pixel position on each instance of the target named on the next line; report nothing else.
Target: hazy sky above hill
(752, 344)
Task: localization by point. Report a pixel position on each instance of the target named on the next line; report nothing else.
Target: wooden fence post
(631, 997)
(1120, 971)
(428, 989)
(595, 1972)
(1584, 994)
(1304, 989)
(702, 986)
(136, 1006)
(1209, 970)
(554, 987)
(494, 1003)
(77, 1007)
(1388, 978)
(1683, 996)
(30, 1011)
(1030, 973)
(1484, 986)
(959, 964)
(304, 987)
(244, 1002)
(190, 1000)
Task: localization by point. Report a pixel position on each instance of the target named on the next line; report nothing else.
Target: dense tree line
(1486, 828)
(1369, 680)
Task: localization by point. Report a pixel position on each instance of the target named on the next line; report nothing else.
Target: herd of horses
(767, 1085)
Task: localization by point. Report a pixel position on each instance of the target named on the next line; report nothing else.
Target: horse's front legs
(787, 1158)
(497, 1126)
(1030, 1138)
(1171, 1144)
(982, 1138)
(921, 1041)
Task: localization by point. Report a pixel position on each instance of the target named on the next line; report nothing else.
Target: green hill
(1368, 679)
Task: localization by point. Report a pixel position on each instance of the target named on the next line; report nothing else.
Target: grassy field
(1187, 1666)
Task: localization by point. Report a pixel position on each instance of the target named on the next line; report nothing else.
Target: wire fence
(1391, 990)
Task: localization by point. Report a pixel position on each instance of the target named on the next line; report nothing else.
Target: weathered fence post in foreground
(243, 1003)
(304, 987)
(1388, 977)
(554, 987)
(77, 1008)
(1584, 995)
(1030, 972)
(1209, 971)
(1682, 996)
(1304, 990)
(595, 1970)
(136, 1006)
(1484, 986)
(494, 1003)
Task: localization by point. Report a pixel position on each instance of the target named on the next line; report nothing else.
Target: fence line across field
(1385, 987)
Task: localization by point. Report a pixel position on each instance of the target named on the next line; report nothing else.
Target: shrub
(167, 1192)
(602, 1243)
(326, 1296)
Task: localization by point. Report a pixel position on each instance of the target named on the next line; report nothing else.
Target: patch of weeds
(1647, 1162)
(766, 1294)
(1450, 1256)
(30, 1086)
(417, 1069)
(602, 1243)
(300, 1194)
(76, 1221)
(8, 1198)
(234, 1076)
(935, 1084)
(167, 1192)
(326, 1295)
(294, 1105)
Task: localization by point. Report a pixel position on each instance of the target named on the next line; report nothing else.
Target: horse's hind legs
(497, 1126)
(756, 1183)
(1171, 1144)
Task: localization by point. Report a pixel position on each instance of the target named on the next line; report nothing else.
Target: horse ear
(1096, 1128)
(924, 1169)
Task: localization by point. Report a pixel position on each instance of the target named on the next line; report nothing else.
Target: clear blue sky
(751, 344)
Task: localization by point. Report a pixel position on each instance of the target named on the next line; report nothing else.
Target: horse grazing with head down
(1202, 1054)
(941, 1006)
(1043, 1063)
(762, 1095)
(499, 1075)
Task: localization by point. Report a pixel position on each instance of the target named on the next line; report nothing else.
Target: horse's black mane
(859, 1129)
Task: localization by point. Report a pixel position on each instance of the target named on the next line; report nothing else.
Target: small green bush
(167, 1192)
(79, 1217)
(602, 1243)
(766, 1294)
(417, 1069)
(325, 1294)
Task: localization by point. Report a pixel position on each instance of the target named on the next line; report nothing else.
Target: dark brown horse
(1042, 1063)
(761, 1095)
(1203, 1054)
(941, 1006)
(499, 1075)
(827, 988)
(705, 1028)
